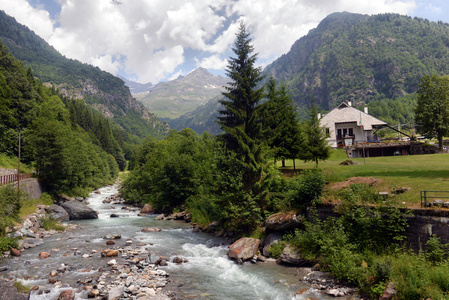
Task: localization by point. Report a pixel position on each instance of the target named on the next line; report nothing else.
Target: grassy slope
(417, 172)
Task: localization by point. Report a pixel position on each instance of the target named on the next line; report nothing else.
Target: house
(355, 130)
(347, 126)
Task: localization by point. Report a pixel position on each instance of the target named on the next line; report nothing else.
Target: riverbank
(195, 263)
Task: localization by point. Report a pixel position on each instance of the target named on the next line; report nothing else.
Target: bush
(275, 249)
(10, 203)
(307, 188)
(6, 243)
(435, 251)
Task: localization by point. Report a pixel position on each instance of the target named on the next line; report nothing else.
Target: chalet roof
(348, 114)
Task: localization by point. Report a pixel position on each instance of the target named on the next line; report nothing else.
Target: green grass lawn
(417, 172)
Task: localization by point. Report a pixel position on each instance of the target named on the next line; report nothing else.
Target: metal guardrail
(5, 179)
(425, 195)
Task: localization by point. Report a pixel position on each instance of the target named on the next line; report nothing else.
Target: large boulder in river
(79, 211)
(244, 249)
(292, 257)
(59, 213)
(283, 221)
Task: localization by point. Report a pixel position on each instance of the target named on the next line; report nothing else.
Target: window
(351, 133)
(328, 133)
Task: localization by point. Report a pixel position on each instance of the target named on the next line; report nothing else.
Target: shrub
(307, 188)
(10, 202)
(435, 251)
(6, 243)
(276, 248)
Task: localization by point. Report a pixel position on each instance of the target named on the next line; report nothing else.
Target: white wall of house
(359, 134)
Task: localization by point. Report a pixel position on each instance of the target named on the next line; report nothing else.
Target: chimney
(349, 103)
(365, 109)
(319, 116)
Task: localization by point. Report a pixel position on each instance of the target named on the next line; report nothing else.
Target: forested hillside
(103, 91)
(375, 60)
(71, 148)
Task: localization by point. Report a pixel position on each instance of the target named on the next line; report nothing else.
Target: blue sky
(157, 40)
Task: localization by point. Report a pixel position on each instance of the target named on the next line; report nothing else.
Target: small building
(354, 130)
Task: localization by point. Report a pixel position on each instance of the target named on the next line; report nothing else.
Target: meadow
(414, 172)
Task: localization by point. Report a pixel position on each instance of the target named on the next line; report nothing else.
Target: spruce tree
(243, 193)
(241, 117)
(282, 126)
(315, 144)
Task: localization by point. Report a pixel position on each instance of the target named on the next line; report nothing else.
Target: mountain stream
(208, 274)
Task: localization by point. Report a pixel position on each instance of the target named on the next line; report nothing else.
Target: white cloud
(153, 35)
(37, 20)
(214, 62)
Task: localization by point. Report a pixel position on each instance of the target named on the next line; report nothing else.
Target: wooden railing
(5, 179)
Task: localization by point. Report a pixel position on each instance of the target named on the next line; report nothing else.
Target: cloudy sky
(157, 40)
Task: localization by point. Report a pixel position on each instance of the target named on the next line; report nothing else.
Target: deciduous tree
(432, 111)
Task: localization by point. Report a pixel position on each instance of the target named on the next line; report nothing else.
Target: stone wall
(32, 187)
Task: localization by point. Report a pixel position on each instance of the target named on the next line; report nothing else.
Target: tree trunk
(283, 163)
(294, 164)
(440, 142)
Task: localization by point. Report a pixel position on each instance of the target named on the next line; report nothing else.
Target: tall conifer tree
(315, 145)
(244, 167)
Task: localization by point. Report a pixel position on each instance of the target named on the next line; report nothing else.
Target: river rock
(112, 253)
(244, 249)
(116, 292)
(160, 217)
(147, 209)
(93, 293)
(113, 236)
(283, 221)
(114, 216)
(59, 213)
(15, 252)
(9, 292)
(151, 229)
(64, 198)
(79, 211)
(44, 255)
(271, 238)
(291, 256)
(389, 292)
(110, 242)
(67, 295)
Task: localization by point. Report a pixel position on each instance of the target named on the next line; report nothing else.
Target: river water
(209, 274)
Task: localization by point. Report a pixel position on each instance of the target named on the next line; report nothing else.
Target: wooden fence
(5, 179)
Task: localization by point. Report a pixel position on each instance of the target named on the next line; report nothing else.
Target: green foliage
(432, 112)
(306, 189)
(435, 251)
(10, 203)
(168, 172)
(315, 147)
(48, 223)
(416, 278)
(281, 122)
(6, 243)
(358, 194)
(275, 249)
